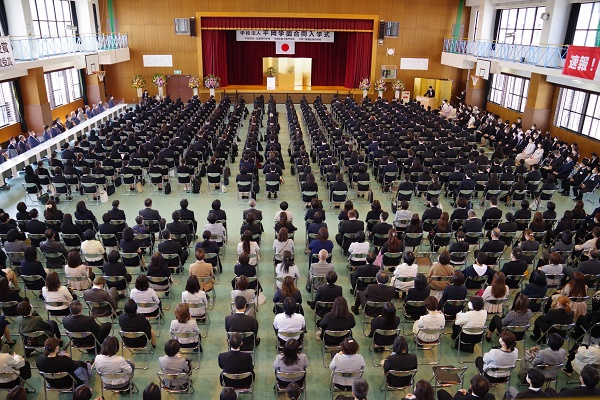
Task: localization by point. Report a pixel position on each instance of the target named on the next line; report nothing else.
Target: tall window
(520, 26)
(476, 26)
(579, 112)
(587, 32)
(509, 91)
(9, 112)
(51, 17)
(63, 86)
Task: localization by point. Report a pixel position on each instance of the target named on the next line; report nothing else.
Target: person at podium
(430, 92)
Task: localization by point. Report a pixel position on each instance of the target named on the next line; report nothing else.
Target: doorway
(177, 87)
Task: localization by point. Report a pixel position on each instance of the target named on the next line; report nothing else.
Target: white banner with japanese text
(6, 54)
(278, 35)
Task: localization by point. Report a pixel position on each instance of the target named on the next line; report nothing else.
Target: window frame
(50, 18)
(510, 18)
(63, 86)
(9, 108)
(581, 116)
(590, 32)
(509, 91)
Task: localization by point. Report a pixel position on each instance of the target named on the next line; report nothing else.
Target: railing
(30, 48)
(546, 56)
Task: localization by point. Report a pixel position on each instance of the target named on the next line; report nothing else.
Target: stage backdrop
(342, 63)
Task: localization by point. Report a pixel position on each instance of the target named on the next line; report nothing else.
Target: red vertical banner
(582, 62)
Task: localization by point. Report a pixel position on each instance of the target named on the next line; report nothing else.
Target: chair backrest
(238, 377)
(80, 335)
(54, 376)
(401, 374)
(133, 335)
(166, 379)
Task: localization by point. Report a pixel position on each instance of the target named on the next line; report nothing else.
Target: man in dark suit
(536, 380)
(51, 245)
(405, 186)
(169, 246)
(589, 380)
(97, 293)
(352, 225)
(378, 292)
(430, 92)
(495, 245)
(186, 214)
(563, 173)
(35, 226)
(252, 210)
(240, 322)
(180, 228)
(491, 213)
(326, 293)
(77, 322)
(588, 184)
(236, 362)
(116, 214)
(433, 211)
(587, 267)
(516, 265)
(149, 214)
(367, 270)
(472, 224)
(479, 390)
(382, 227)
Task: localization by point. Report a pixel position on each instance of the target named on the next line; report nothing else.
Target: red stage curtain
(328, 66)
(287, 23)
(214, 54)
(358, 58)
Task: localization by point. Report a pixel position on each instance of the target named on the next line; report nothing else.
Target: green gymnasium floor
(206, 379)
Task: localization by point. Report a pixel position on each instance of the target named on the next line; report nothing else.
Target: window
(9, 112)
(51, 18)
(579, 112)
(509, 91)
(391, 29)
(63, 87)
(520, 26)
(588, 21)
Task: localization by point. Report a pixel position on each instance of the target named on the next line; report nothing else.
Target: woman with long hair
(55, 292)
(399, 360)
(309, 185)
(372, 217)
(576, 288)
(69, 227)
(76, 268)
(286, 267)
(348, 205)
(520, 315)
(291, 360)
(285, 223)
(338, 319)
(249, 246)
(282, 242)
(288, 289)
(455, 291)
(537, 224)
(414, 226)
(322, 242)
(193, 294)
(183, 323)
(52, 213)
(443, 226)
(83, 213)
(388, 320)
(393, 244)
(560, 313)
(159, 268)
(497, 290)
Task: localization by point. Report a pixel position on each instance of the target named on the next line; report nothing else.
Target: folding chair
(146, 350)
(339, 335)
(105, 384)
(289, 377)
(366, 318)
(156, 283)
(158, 317)
(471, 334)
(390, 334)
(239, 377)
(183, 378)
(345, 374)
(199, 311)
(79, 336)
(54, 376)
(386, 387)
(448, 375)
(189, 350)
(419, 344)
(406, 317)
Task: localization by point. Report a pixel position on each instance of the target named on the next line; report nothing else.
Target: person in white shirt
(108, 362)
(504, 357)
(286, 268)
(184, 323)
(408, 269)
(284, 209)
(143, 293)
(247, 245)
(76, 268)
(434, 319)
(347, 360)
(282, 242)
(91, 246)
(403, 214)
(289, 321)
(55, 292)
(360, 246)
(174, 363)
(474, 318)
(193, 294)
(214, 227)
(527, 151)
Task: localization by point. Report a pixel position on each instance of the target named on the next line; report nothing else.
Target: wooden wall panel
(61, 111)
(10, 131)
(505, 113)
(423, 26)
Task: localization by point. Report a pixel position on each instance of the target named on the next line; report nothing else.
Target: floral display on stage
(212, 82)
(194, 82)
(159, 80)
(380, 85)
(365, 84)
(398, 85)
(138, 82)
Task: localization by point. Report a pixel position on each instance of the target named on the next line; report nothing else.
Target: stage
(252, 91)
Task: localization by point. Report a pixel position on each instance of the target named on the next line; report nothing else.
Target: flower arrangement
(365, 84)
(270, 71)
(398, 85)
(212, 81)
(138, 82)
(194, 82)
(159, 80)
(380, 85)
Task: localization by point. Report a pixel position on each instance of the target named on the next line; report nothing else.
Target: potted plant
(270, 71)
(159, 81)
(138, 82)
(380, 86)
(398, 86)
(194, 84)
(365, 86)
(212, 82)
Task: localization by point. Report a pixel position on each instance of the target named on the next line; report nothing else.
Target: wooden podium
(287, 81)
(428, 101)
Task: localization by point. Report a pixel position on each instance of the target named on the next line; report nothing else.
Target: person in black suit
(589, 379)
(352, 225)
(115, 213)
(149, 214)
(132, 321)
(77, 322)
(236, 362)
(432, 212)
(516, 266)
(378, 292)
(367, 270)
(430, 92)
(240, 322)
(51, 245)
(35, 226)
(588, 184)
(186, 214)
(536, 380)
(494, 245)
(327, 293)
(493, 212)
(252, 210)
(169, 246)
(31, 266)
(114, 267)
(561, 314)
(399, 360)
(180, 228)
(479, 390)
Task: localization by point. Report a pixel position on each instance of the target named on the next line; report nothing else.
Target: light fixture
(390, 51)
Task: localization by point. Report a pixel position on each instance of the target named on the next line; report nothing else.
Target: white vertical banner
(7, 60)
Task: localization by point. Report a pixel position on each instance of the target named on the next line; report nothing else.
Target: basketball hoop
(475, 79)
(101, 75)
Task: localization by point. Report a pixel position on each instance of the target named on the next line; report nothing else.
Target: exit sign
(177, 72)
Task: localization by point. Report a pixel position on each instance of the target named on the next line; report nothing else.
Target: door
(177, 87)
